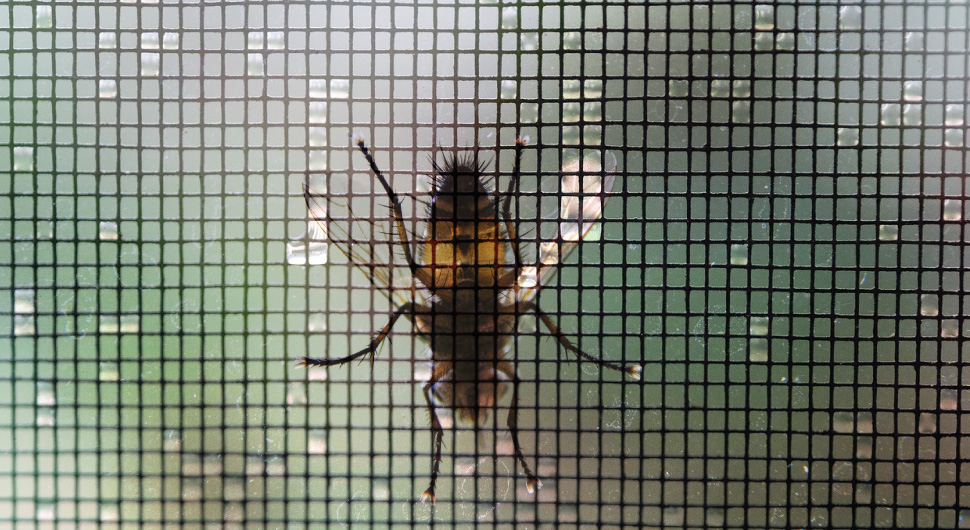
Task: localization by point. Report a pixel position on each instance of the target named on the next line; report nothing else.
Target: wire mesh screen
(782, 251)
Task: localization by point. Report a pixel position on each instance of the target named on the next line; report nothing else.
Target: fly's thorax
(461, 205)
(461, 269)
(464, 242)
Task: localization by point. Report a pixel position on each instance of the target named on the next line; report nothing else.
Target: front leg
(422, 274)
(513, 189)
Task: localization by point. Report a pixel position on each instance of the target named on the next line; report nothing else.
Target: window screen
(783, 252)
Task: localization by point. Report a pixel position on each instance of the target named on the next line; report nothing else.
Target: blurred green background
(784, 252)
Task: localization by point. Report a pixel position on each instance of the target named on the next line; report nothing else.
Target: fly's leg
(532, 482)
(437, 433)
(633, 371)
(513, 189)
(421, 274)
(370, 349)
(511, 278)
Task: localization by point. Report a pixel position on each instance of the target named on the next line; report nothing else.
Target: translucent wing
(355, 219)
(569, 207)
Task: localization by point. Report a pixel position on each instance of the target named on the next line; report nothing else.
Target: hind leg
(633, 371)
(532, 482)
(437, 433)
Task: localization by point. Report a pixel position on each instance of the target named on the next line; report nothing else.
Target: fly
(469, 283)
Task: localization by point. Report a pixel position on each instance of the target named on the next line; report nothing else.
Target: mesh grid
(783, 252)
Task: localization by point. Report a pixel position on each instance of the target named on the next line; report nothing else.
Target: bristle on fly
(459, 164)
(635, 371)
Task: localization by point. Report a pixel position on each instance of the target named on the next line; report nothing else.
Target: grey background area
(784, 251)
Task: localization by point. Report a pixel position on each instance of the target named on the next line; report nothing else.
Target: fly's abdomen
(460, 336)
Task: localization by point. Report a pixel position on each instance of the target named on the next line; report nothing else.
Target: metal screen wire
(783, 251)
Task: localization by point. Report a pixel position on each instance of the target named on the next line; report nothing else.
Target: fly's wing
(351, 215)
(568, 207)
